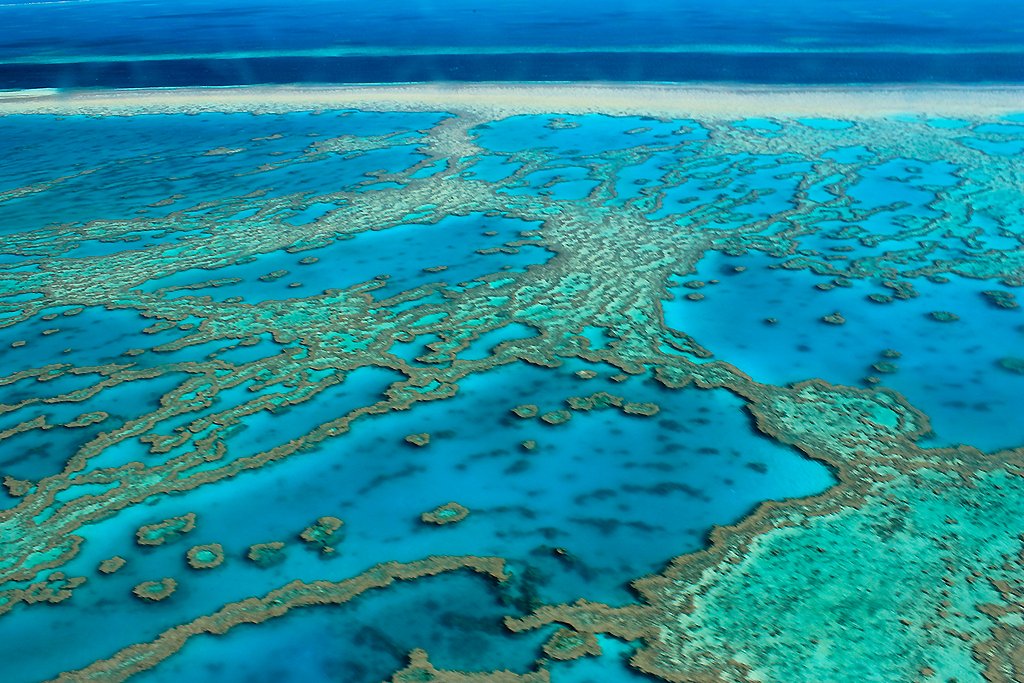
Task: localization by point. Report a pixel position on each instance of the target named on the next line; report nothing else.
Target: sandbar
(498, 100)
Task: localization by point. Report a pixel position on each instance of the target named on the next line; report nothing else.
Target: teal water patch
(95, 336)
(264, 430)
(437, 167)
(202, 158)
(411, 350)
(241, 354)
(311, 213)
(632, 179)
(948, 123)
(456, 618)
(561, 182)
(999, 129)
(618, 493)
(111, 152)
(400, 253)
(134, 241)
(382, 185)
(849, 155)
(484, 345)
(1006, 148)
(58, 380)
(906, 185)
(334, 171)
(491, 168)
(612, 666)
(21, 297)
(603, 485)
(949, 370)
(364, 123)
(757, 185)
(37, 453)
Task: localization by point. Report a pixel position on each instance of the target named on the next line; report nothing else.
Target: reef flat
(550, 382)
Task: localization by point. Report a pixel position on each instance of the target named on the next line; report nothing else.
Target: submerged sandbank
(504, 99)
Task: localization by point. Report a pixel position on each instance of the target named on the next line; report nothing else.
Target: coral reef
(166, 531)
(420, 669)
(266, 554)
(296, 594)
(324, 533)
(1015, 365)
(841, 557)
(112, 564)
(205, 556)
(421, 439)
(449, 513)
(944, 316)
(565, 644)
(155, 590)
(1000, 298)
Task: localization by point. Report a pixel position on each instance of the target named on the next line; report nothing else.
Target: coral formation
(1000, 298)
(849, 540)
(835, 318)
(112, 564)
(266, 554)
(166, 531)
(944, 316)
(449, 513)
(1015, 365)
(421, 439)
(324, 533)
(556, 417)
(525, 411)
(155, 590)
(420, 669)
(296, 594)
(565, 644)
(205, 556)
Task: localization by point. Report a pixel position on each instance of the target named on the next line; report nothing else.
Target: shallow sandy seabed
(503, 99)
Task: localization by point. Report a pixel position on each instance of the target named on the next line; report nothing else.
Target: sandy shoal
(503, 99)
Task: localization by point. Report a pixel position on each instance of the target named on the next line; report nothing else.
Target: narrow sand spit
(504, 99)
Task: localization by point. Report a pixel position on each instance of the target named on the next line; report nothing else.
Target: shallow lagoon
(578, 250)
(951, 371)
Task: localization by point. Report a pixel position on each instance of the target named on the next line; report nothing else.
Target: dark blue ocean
(91, 43)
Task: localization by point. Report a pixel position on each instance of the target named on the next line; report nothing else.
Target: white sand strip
(713, 101)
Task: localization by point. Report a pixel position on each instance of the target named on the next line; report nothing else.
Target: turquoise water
(951, 371)
(612, 489)
(584, 313)
(400, 253)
